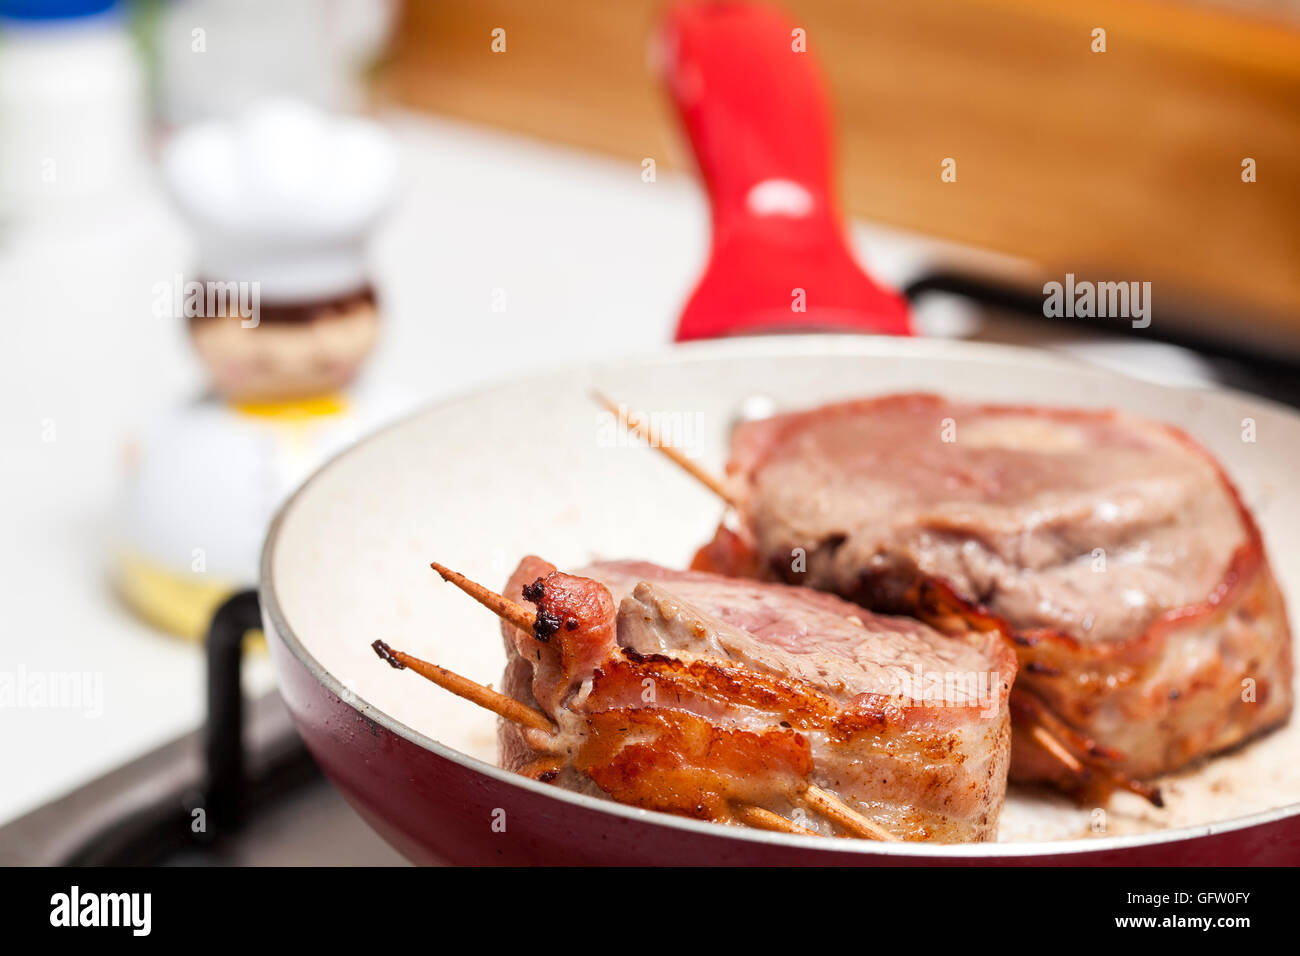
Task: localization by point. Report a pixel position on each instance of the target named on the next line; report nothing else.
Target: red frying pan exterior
(442, 807)
(751, 100)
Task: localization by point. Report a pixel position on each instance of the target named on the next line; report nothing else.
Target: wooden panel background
(1122, 165)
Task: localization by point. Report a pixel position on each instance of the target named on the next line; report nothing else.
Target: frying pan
(534, 466)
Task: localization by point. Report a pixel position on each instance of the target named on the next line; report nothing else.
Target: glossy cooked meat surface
(710, 692)
(1114, 549)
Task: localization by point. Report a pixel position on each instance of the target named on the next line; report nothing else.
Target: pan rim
(771, 346)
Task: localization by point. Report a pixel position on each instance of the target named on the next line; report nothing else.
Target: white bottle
(72, 109)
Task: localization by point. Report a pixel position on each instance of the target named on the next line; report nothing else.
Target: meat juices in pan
(1126, 569)
(693, 693)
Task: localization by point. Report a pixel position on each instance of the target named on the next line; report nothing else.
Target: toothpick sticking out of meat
(761, 819)
(640, 426)
(475, 693)
(518, 615)
(836, 809)
(1027, 708)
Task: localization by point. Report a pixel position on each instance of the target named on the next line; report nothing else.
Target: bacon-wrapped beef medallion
(1114, 552)
(697, 694)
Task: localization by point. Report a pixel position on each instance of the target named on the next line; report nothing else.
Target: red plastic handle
(755, 110)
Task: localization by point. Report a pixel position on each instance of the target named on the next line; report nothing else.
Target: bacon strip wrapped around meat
(701, 695)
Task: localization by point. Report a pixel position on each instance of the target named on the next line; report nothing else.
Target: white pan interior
(536, 466)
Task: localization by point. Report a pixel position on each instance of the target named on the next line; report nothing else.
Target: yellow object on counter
(180, 604)
(298, 409)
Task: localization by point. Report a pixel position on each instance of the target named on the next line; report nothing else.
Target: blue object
(49, 10)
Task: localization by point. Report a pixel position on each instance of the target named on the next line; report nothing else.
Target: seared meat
(1114, 552)
(701, 693)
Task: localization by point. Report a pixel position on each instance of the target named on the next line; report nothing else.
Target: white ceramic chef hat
(284, 195)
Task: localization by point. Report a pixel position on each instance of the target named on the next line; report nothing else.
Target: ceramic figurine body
(282, 323)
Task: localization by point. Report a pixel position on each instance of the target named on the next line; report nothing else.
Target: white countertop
(593, 262)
